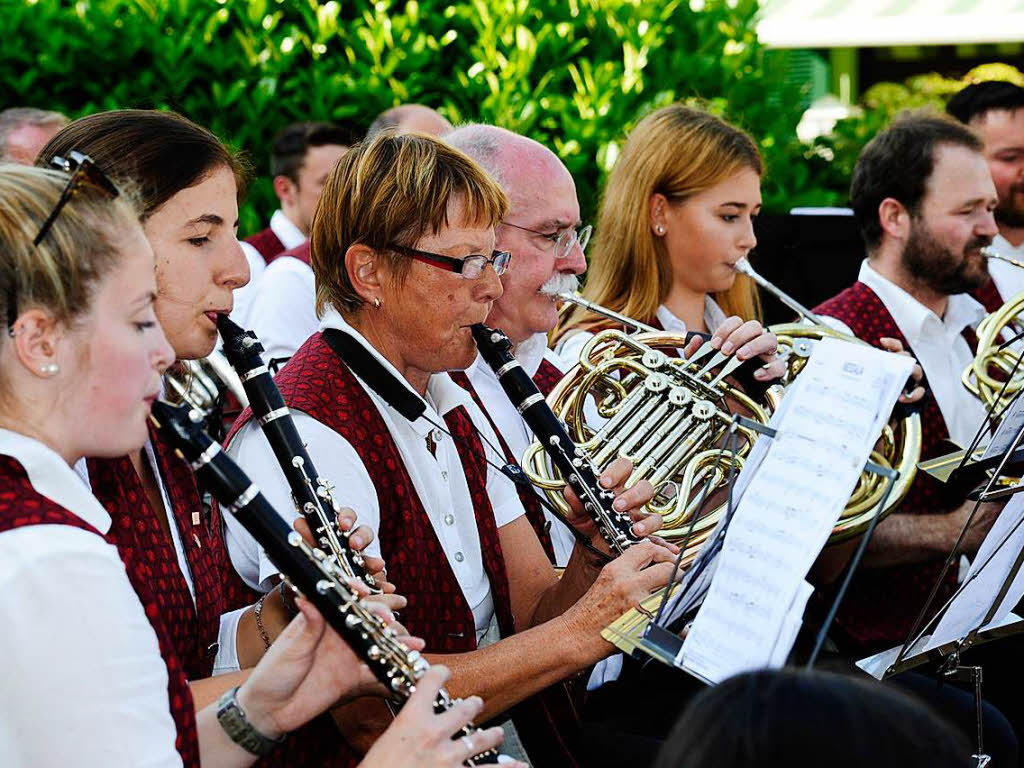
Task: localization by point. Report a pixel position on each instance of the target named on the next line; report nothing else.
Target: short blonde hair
(392, 190)
(79, 249)
(678, 151)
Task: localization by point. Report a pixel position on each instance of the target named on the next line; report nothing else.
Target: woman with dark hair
(770, 719)
(188, 184)
(92, 677)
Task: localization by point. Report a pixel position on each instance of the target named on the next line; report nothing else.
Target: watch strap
(236, 725)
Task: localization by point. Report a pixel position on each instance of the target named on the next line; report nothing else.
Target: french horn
(632, 395)
(995, 376)
(201, 383)
(899, 448)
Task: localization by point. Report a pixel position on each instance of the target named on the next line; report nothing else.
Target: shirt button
(449, 519)
(444, 475)
(459, 557)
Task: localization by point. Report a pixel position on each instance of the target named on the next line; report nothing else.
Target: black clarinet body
(315, 574)
(575, 466)
(313, 494)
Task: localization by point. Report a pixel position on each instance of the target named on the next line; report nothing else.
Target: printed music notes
(791, 492)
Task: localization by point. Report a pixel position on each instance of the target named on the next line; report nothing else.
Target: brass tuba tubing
(611, 314)
(743, 267)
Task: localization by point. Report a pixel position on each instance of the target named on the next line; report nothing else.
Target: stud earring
(659, 230)
(376, 302)
(50, 369)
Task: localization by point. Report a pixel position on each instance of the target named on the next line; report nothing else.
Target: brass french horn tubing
(743, 267)
(627, 322)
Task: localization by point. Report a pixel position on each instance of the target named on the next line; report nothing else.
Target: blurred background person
(995, 111)
(408, 118)
(24, 131)
(302, 156)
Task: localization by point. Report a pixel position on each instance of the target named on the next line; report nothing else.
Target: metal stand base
(952, 670)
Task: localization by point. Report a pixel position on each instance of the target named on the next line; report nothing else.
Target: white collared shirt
(437, 477)
(510, 424)
(244, 298)
(938, 345)
(1009, 279)
(283, 313)
(83, 682)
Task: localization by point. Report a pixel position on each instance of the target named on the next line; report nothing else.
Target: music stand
(947, 655)
(663, 644)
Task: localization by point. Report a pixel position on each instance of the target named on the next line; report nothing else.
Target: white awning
(864, 23)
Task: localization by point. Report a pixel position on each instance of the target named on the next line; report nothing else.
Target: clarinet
(316, 575)
(576, 467)
(313, 494)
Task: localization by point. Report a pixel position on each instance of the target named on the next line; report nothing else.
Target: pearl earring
(50, 369)
(659, 229)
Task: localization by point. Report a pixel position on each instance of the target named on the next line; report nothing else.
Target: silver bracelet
(238, 728)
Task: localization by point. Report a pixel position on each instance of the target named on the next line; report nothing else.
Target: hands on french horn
(746, 340)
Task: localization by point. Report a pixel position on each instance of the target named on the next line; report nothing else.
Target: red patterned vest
(989, 296)
(882, 603)
(267, 244)
(545, 378)
(317, 383)
(139, 536)
(21, 505)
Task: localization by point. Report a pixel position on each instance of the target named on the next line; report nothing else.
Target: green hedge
(574, 74)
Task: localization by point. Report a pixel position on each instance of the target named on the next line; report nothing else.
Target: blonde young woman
(677, 213)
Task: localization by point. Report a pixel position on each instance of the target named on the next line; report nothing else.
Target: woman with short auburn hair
(403, 250)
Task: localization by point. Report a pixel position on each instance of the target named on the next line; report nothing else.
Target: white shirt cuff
(227, 646)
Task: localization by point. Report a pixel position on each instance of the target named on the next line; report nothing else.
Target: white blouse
(83, 683)
(437, 477)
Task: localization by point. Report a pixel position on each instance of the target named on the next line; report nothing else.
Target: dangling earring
(50, 369)
(376, 302)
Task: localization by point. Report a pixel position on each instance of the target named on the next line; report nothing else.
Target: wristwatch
(238, 728)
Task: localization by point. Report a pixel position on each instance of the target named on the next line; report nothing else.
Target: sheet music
(1009, 428)
(986, 578)
(832, 417)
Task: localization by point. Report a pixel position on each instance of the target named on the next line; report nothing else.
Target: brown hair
(159, 153)
(79, 249)
(392, 190)
(677, 151)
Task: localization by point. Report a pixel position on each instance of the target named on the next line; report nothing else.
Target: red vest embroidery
(139, 537)
(317, 383)
(267, 244)
(882, 603)
(21, 505)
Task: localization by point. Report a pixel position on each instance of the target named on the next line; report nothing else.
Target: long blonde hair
(677, 151)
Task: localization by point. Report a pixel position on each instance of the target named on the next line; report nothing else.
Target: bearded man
(924, 201)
